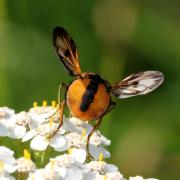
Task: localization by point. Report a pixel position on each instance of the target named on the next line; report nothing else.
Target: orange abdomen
(88, 98)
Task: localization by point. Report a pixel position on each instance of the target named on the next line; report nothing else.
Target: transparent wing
(66, 50)
(138, 84)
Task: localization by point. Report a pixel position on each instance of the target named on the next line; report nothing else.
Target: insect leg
(111, 107)
(59, 99)
(53, 113)
(62, 105)
(59, 91)
(91, 133)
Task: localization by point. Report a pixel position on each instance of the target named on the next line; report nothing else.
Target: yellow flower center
(44, 103)
(69, 150)
(101, 157)
(1, 165)
(27, 154)
(53, 104)
(51, 122)
(57, 106)
(52, 162)
(105, 177)
(84, 133)
(35, 104)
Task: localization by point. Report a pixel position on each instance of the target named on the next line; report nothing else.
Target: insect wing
(138, 84)
(66, 50)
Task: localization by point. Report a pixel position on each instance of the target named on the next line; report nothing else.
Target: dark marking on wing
(66, 50)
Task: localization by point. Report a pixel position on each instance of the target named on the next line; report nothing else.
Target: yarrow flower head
(41, 130)
(7, 162)
(102, 170)
(25, 164)
(141, 178)
(58, 153)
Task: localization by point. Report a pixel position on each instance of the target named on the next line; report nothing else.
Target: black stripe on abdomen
(89, 94)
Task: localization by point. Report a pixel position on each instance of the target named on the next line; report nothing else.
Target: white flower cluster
(38, 126)
(67, 168)
(63, 167)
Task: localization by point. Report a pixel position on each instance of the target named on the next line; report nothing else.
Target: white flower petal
(30, 134)
(79, 155)
(136, 178)
(90, 175)
(7, 159)
(6, 113)
(74, 174)
(10, 168)
(99, 177)
(105, 141)
(114, 176)
(140, 178)
(70, 127)
(7, 177)
(39, 143)
(111, 168)
(95, 152)
(88, 127)
(35, 121)
(17, 132)
(3, 129)
(62, 172)
(59, 143)
(39, 115)
(5, 150)
(37, 175)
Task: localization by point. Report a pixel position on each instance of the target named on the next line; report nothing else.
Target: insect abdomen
(88, 98)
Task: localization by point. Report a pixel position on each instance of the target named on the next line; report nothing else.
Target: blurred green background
(115, 39)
